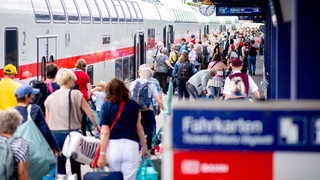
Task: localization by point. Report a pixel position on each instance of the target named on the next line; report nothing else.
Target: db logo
(190, 167)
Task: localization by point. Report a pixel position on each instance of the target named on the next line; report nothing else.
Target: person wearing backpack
(239, 85)
(183, 70)
(142, 91)
(252, 58)
(46, 87)
(24, 95)
(14, 151)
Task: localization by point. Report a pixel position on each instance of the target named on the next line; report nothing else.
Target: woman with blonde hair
(120, 145)
(57, 114)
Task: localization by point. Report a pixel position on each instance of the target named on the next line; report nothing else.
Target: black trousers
(148, 122)
(162, 78)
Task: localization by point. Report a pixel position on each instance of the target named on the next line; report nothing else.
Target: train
(113, 36)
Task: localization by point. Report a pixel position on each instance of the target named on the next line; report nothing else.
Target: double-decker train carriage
(113, 36)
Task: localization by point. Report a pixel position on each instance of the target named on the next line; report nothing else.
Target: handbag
(97, 154)
(42, 159)
(215, 81)
(146, 170)
(77, 146)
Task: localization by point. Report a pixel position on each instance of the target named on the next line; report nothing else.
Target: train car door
(206, 29)
(139, 51)
(46, 53)
(168, 36)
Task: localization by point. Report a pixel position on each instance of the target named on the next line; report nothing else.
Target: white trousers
(123, 155)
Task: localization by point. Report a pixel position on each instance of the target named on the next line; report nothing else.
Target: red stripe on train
(30, 70)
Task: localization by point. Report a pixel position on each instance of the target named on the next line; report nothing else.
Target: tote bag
(147, 171)
(42, 159)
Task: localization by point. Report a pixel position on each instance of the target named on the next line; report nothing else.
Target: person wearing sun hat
(8, 87)
(239, 84)
(24, 95)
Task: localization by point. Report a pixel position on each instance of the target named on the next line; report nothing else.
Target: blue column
(305, 51)
(283, 55)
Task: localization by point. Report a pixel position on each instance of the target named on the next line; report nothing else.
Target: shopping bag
(42, 159)
(147, 171)
(81, 148)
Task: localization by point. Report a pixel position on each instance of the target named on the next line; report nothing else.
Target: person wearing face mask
(193, 56)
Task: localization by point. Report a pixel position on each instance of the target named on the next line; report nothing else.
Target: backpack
(40, 98)
(184, 71)
(200, 56)
(6, 160)
(205, 51)
(237, 86)
(141, 95)
(252, 51)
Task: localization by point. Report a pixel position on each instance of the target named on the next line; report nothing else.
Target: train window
(133, 12)
(126, 11)
(138, 10)
(118, 68)
(95, 14)
(175, 15)
(151, 38)
(104, 11)
(119, 10)
(132, 64)
(126, 69)
(58, 12)
(11, 46)
(84, 11)
(41, 11)
(72, 12)
(112, 10)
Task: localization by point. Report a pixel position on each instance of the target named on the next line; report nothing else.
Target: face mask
(189, 49)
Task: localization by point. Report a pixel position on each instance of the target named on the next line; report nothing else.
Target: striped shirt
(20, 150)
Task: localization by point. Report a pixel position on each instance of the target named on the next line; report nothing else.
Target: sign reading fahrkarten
(246, 130)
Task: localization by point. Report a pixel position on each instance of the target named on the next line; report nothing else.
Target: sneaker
(253, 73)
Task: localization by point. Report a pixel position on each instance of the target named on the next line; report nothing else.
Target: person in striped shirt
(9, 122)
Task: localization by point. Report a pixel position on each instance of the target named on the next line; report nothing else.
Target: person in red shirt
(193, 39)
(83, 85)
(83, 80)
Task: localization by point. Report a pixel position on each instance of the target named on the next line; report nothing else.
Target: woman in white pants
(119, 147)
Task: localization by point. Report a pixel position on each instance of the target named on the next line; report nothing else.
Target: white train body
(113, 36)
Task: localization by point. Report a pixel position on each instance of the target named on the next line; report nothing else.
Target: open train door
(139, 51)
(46, 53)
(168, 36)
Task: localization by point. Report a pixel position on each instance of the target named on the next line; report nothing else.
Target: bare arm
(86, 108)
(169, 64)
(159, 101)
(257, 94)
(47, 115)
(89, 90)
(104, 136)
(142, 137)
(22, 171)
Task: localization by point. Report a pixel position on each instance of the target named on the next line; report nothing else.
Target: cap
(24, 90)
(10, 69)
(192, 36)
(236, 62)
